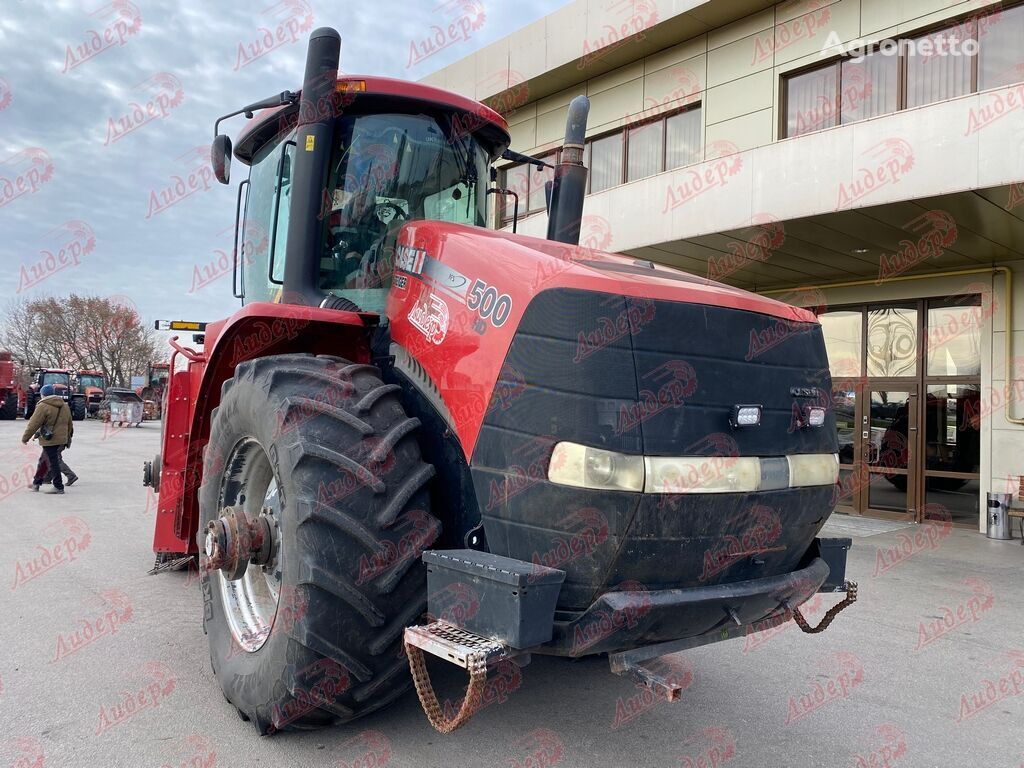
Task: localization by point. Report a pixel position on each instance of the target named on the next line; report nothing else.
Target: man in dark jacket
(52, 416)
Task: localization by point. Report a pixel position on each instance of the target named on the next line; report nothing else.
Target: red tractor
(585, 453)
(8, 386)
(91, 385)
(61, 380)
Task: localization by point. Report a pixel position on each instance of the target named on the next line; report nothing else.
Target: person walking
(51, 423)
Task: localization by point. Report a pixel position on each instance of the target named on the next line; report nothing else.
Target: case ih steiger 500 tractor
(422, 435)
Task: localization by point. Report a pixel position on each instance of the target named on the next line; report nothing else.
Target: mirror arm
(278, 100)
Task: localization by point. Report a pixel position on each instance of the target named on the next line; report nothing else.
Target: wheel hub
(235, 540)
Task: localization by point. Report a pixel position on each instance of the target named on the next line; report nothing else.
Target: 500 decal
(491, 305)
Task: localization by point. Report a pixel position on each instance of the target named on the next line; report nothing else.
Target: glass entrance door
(888, 440)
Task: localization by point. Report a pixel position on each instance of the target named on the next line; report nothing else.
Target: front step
(454, 644)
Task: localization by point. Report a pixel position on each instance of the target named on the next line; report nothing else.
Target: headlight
(813, 469)
(585, 467)
(703, 474)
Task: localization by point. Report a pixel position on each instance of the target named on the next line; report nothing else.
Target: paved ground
(881, 684)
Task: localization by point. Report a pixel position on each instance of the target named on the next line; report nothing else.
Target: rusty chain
(850, 599)
(477, 665)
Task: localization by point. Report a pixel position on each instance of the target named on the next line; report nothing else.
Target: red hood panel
(459, 294)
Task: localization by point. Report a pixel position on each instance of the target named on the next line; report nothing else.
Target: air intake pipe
(570, 183)
(309, 169)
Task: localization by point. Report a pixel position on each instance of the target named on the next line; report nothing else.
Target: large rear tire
(326, 448)
(30, 404)
(9, 407)
(78, 408)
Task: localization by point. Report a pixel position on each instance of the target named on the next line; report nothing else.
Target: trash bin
(999, 516)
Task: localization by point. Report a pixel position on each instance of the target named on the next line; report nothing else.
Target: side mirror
(220, 157)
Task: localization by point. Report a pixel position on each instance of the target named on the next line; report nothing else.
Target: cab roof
(266, 124)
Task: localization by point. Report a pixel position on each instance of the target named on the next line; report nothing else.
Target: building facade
(861, 157)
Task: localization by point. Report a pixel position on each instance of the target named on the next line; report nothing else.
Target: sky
(107, 112)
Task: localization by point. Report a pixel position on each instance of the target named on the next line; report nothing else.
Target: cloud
(80, 75)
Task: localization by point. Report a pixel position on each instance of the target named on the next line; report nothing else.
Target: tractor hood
(460, 294)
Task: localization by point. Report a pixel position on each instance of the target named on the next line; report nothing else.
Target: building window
(682, 139)
(605, 161)
(645, 149)
(527, 182)
(999, 48)
(980, 52)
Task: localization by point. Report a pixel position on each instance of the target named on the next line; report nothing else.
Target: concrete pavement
(103, 665)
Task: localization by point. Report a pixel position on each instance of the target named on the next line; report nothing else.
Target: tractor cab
(396, 152)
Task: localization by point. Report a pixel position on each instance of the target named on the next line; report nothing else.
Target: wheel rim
(251, 602)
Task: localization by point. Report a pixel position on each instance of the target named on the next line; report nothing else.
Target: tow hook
(234, 540)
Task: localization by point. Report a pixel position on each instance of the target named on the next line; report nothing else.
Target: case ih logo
(161, 93)
(117, 611)
(990, 692)
(6, 94)
(843, 671)
(461, 19)
(724, 162)
(936, 231)
(179, 188)
(770, 236)
(160, 684)
(289, 21)
(755, 539)
(885, 164)
(71, 535)
(967, 611)
(632, 18)
(120, 19)
(782, 36)
(23, 173)
(633, 603)
(68, 254)
(676, 668)
(677, 381)
(888, 744)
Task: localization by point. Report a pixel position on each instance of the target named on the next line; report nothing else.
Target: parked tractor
(8, 386)
(157, 375)
(420, 435)
(91, 385)
(61, 381)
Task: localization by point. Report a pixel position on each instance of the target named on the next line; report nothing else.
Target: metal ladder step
(454, 644)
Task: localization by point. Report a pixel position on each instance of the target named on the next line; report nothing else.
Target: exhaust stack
(309, 169)
(570, 182)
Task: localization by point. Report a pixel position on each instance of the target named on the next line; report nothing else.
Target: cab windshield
(387, 169)
(56, 378)
(91, 381)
